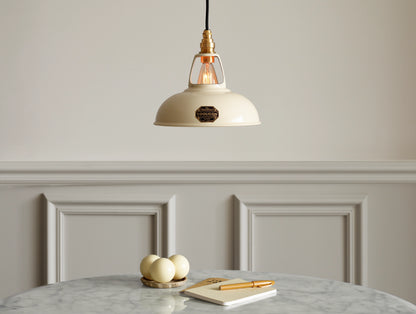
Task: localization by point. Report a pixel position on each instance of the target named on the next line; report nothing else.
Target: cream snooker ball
(145, 265)
(181, 266)
(162, 270)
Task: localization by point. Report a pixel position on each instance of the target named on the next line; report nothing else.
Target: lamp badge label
(207, 114)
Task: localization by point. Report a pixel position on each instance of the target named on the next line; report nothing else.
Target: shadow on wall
(41, 241)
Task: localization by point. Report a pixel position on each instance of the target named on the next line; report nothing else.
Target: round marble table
(126, 294)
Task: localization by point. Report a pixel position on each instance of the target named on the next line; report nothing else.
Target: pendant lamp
(207, 102)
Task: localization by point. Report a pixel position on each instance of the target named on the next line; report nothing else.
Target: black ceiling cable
(206, 14)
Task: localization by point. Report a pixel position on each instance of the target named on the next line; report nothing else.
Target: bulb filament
(207, 73)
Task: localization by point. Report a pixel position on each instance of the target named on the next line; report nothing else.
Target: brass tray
(163, 285)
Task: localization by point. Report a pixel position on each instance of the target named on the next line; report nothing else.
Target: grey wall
(332, 80)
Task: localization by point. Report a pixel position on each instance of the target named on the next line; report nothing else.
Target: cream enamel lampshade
(207, 102)
(207, 105)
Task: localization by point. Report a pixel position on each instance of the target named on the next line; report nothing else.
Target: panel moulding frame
(247, 209)
(162, 208)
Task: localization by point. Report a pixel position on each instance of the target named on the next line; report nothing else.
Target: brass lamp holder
(207, 46)
(207, 43)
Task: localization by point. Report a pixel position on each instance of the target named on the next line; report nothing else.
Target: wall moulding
(60, 206)
(44, 173)
(352, 207)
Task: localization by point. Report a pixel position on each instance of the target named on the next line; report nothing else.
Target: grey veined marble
(126, 294)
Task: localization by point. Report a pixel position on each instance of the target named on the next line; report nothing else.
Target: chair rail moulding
(44, 173)
(353, 207)
(60, 206)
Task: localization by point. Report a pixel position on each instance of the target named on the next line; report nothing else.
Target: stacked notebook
(211, 293)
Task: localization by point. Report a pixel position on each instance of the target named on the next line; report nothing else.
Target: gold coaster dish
(163, 285)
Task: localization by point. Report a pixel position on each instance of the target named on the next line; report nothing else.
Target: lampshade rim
(208, 124)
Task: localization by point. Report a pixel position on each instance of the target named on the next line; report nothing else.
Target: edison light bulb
(207, 73)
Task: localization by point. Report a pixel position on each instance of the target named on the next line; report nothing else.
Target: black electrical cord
(206, 14)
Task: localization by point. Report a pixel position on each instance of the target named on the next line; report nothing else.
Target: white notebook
(211, 293)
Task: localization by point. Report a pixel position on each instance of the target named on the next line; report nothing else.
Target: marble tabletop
(126, 294)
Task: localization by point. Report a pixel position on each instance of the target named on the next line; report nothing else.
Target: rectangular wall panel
(302, 244)
(105, 244)
(92, 234)
(318, 234)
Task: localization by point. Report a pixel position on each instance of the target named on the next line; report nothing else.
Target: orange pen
(252, 284)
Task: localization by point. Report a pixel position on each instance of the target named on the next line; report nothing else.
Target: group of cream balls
(162, 269)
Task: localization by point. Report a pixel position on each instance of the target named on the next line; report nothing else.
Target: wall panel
(264, 239)
(90, 235)
(366, 211)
